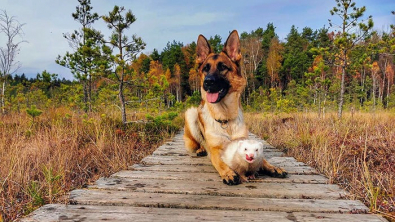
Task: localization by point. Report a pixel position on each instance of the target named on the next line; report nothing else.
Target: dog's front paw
(231, 179)
(201, 152)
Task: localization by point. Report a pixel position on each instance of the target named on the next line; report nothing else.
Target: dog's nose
(209, 81)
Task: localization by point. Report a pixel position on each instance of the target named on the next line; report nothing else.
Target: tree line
(346, 64)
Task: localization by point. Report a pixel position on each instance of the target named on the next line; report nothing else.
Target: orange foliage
(194, 80)
(389, 72)
(155, 71)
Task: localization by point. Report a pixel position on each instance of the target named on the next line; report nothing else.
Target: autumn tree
(12, 30)
(352, 29)
(158, 83)
(251, 48)
(376, 79)
(173, 57)
(175, 82)
(319, 82)
(127, 49)
(273, 62)
(386, 51)
(194, 80)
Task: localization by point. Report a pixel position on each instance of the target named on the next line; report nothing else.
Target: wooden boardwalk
(172, 185)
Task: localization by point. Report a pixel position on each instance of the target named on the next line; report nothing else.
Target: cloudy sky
(161, 21)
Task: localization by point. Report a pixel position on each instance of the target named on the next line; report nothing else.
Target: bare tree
(12, 30)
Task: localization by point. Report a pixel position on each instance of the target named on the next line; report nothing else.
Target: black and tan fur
(209, 127)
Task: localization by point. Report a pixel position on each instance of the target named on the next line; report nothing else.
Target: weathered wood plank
(302, 170)
(139, 199)
(181, 151)
(214, 176)
(323, 217)
(58, 212)
(195, 160)
(267, 190)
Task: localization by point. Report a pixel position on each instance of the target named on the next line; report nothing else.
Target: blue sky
(161, 21)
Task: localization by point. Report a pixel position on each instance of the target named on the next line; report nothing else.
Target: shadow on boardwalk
(172, 185)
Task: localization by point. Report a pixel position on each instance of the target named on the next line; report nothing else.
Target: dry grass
(357, 152)
(62, 151)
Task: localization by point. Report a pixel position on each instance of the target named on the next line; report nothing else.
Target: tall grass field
(61, 150)
(357, 151)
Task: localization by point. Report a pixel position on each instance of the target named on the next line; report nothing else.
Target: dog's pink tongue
(212, 97)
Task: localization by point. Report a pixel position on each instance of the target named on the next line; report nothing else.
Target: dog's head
(220, 73)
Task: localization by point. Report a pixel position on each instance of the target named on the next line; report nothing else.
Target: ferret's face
(250, 150)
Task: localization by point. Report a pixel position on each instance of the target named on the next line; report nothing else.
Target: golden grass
(357, 152)
(62, 151)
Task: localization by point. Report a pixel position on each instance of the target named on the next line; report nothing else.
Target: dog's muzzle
(216, 87)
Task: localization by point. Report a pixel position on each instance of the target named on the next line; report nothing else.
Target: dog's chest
(233, 129)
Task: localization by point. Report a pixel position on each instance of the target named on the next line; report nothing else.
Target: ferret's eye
(256, 150)
(245, 149)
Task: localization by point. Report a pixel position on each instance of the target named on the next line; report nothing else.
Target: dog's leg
(271, 170)
(228, 176)
(192, 145)
(192, 135)
(190, 142)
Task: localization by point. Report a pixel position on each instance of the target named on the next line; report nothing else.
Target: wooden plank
(267, 190)
(195, 160)
(140, 199)
(214, 176)
(322, 217)
(174, 151)
(280, 161)
(206, 168)
(59, 212)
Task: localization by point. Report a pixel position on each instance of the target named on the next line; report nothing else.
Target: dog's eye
(245, 149)
(222, 67)
(206, 68)
(256, 150)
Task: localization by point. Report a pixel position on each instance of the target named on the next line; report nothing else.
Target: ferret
(245, 157)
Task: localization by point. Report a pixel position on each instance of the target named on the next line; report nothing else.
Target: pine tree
(348, 36)
(83, 61)
(126, 49)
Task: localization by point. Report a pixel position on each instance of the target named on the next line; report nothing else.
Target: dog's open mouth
(216, 96)
(216, 88)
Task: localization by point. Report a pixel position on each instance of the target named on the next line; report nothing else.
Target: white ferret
(245, 157)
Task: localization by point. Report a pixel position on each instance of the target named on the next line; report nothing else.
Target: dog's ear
(232, 47)
(203, 49)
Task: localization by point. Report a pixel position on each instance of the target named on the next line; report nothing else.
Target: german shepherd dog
(219, 118)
